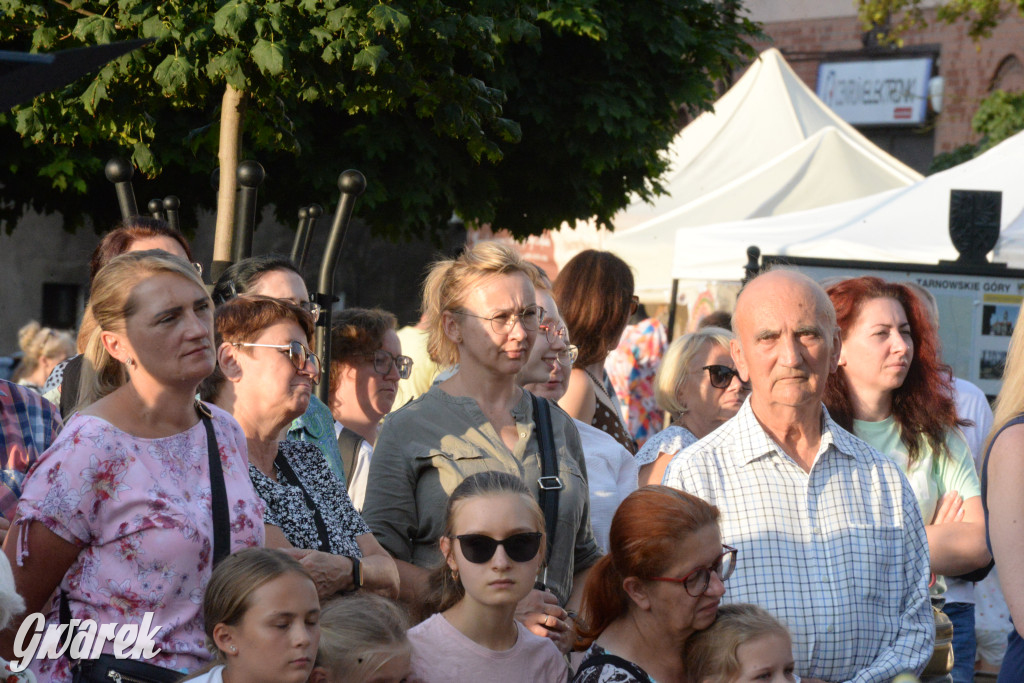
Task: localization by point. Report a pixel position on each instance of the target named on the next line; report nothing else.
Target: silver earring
(234, 649)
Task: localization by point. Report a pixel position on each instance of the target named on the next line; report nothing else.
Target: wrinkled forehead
(790, 301)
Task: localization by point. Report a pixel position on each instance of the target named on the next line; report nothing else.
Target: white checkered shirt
(839, 554)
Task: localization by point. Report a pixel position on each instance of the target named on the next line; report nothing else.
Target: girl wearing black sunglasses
(697, 384)
(493, 547)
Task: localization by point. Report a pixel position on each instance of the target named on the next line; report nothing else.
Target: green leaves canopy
(521, 113)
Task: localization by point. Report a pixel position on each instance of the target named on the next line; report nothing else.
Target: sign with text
(877, 92)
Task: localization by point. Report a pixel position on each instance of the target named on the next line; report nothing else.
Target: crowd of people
(486, 506)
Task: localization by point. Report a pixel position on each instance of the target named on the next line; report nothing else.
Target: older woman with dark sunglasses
(698, 386)
(366, 364)
(483, 316)
(265, 377)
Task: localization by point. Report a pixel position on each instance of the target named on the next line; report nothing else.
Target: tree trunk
(232, 107)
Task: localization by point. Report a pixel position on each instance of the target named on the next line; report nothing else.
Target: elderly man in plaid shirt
(28, 425)
(829, 532)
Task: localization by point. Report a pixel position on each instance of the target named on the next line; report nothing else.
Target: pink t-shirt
(139, 510)
(441, 654)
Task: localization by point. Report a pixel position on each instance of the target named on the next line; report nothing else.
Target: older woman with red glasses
(698, 386)
(661, 581)
(366, 364)
(265, 377)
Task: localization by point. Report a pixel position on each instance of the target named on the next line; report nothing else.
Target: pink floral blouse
(140, 511)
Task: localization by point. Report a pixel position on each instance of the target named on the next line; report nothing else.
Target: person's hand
(540, 612)
(331, 573)
(950, 508)
(380, 575)
(5, 524)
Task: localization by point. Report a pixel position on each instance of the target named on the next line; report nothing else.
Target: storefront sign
(879, 92)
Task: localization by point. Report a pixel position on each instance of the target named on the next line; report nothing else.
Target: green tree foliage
(981, 16)
(999, 116)
(517, 112)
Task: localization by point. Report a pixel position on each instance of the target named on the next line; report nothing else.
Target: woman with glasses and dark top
(366, 364)
(698, 386)
(660, 582)
(492, 549)
(594, 292)
(483, 316)
(140, 233)
(611, 469)
(264, 378)
(277, 277)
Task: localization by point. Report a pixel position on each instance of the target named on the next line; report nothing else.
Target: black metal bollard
(300, 236)
(352, 184)
(120, 171)
(171, 206)
(301, 248)
(250, 176)
(156, 208)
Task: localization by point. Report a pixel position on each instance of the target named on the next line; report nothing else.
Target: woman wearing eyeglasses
(264, 378)
(366, 364)
(698, 386)
(277, 277)
(661, 581)
(611, 469)
(483, 316)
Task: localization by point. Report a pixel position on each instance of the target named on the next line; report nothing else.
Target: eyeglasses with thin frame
(553, 333)
(311, 307)
(384, 360)
(480, 548)
(568, 355)
(696, 582)
(502, 323)
(634, 304)
(298, 354)
(199, 268)
(721, 376)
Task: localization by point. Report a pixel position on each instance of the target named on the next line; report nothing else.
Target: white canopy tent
(769, 147)
(910, 224)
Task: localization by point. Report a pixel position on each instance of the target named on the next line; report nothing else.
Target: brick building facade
(810, 31)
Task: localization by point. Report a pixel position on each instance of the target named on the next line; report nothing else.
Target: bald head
(787, 341)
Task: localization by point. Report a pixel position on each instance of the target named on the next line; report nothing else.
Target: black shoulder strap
(598, 661)
(288, 473)
(348, 444)
(549, 484)
(218, 491)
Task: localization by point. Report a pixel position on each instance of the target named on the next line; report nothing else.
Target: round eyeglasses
(502, 323)
(383, 361)
(568, 355)
(298, 354)
(697, 581)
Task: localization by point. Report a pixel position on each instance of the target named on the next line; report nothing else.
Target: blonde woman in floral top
(117, 513)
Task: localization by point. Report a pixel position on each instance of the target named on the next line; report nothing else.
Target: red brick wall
(968, 67)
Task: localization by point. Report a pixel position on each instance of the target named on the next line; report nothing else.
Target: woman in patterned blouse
(265, 377)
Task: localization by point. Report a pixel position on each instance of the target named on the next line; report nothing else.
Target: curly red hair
(925, 405)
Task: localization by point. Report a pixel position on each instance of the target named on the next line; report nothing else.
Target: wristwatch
(357, 573)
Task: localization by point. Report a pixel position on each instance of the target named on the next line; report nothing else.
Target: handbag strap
(218, 491)
(288, 473)
(549, 484)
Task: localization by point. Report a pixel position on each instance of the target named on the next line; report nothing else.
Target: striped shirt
(839, 553)
(28, 426)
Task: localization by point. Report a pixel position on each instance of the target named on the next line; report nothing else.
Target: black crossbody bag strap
(218, 491)
(549, 485)
(321, 527)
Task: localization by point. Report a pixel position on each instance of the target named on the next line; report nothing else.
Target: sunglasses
(383, 361)
(721, 376)
(298, 354)
(478, 548)
(697, 581)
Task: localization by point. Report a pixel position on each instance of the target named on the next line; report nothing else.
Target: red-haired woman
(660, 581)
(892, 391)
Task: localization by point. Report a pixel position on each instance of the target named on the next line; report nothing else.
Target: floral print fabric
(140, 510)
(631, 368)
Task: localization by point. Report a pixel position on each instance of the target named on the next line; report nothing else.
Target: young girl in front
(261, 616)
(362, 640)
(493, 547)
(745, 644)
